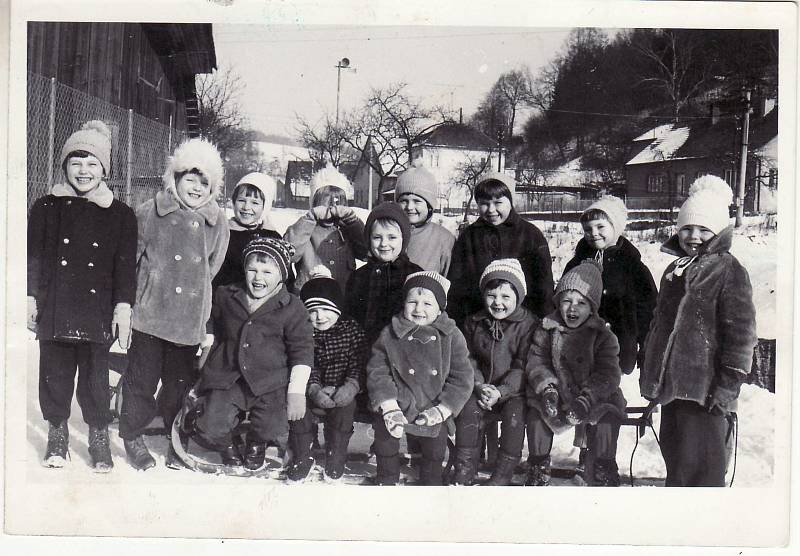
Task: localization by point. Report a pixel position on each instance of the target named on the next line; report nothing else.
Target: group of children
(432, 337)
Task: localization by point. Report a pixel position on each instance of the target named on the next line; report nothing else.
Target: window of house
(656, 183)
(730, 177)
(773, 178)
(680, 184)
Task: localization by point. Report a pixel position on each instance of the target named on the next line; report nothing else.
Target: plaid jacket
(339, 353)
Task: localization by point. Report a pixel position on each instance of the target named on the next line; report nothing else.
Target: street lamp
(344, 63)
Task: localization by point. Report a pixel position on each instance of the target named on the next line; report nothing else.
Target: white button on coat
(178, 289)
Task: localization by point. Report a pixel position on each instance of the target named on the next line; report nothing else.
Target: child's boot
(255, 453)
(388, 470)
(302, 461)
(539, 472)
(430, 473)
(57, 445)
(504, 470)
(335, 454)
(606, 473)
(100, 449)
(466, 466)
(231, 456)
(138, 454)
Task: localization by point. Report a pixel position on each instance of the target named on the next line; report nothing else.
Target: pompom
(98, 126)
(713, 186)
(329, 175)
(320, 271)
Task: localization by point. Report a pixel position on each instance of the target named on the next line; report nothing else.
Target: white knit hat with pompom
(707, 204)
(93, 137)
(329, 175)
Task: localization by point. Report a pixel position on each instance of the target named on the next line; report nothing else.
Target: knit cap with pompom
(330, 176)
(196, 154)
(707, 204)
(94, 137)
(586, 279)
(322, 291)
(614, 208)
(419, 181)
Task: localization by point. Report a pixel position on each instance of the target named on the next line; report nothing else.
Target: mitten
(322, 212)
(581, 406)
(121, 324)
(33, 313)
(550, 400)
(207, 342)
(320, 396)
(431, 416)
(489, 396)
(345, 214)
(346, 393)
(295, 406)
(393, 418)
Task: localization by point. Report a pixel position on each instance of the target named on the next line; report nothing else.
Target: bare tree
(516, 88)
(221, 118)
(467, 173)
(325, 141)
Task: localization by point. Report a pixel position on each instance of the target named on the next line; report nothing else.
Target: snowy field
(754, 245)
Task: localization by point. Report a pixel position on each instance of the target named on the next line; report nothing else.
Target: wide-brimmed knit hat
(329, 176)
(278, 250)
(505, 269)
(196, 154)
(433, 281)
(707, 204)
(419, 181)
(614, 208)
(322, 291)
(586, 279)
(389, 211)
(264, 183)
(94, 137)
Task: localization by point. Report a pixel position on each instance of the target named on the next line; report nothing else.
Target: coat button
(178, 289)
(433, 338)
(95, 245)
(195, 224)
(92, 290)
(197, 259)
(410, 338)
(245, 345)
(605, 292)
(177, 257)
(332, 263)
(90, 265)
(63, 263)
(434, 372)
(173, 222)
(66, 240)
(69, 202)
(411, 371)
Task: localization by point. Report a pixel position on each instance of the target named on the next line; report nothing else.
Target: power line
(642, 116)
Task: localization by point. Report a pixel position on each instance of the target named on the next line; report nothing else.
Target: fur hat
(707, 204)
(196, 154)
(614, 208)
(264, 183)
(433, 281)
(586, 279)
(419, 181)
(322, 291)
(509, 270)
(390, 211)
(329, 175)
(93, 137)
(278, 250)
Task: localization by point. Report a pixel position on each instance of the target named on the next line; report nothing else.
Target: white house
(276, 152)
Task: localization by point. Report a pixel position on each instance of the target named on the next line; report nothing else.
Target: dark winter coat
(420, 366)
(499, 349)
(232, 269)
(578, 361)
(629, 296)
(263, 346)
(374, 293)
(340, 353)
(707, 349)
(81, 263)
(481, 243)
(178, 254)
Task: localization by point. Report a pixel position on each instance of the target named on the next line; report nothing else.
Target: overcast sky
(290, 69)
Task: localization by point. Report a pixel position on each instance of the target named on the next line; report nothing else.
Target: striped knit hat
(505, 269)
(586, 279)
(278, 250)
(433, 281)
(322, 291)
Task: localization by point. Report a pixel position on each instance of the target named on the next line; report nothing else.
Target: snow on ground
(755, 245)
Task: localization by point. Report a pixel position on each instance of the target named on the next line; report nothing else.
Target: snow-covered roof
(654, 133)
(663, 146)
(572, 175)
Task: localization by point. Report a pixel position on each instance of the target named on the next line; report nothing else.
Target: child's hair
(492, 189)
(495, 283)
(75, 154)
(195, 171)
(247, 190)
(385, 222)
(329, 195)
(259, 257)
(594, 214)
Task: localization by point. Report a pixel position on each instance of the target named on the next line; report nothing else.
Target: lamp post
(344, 63)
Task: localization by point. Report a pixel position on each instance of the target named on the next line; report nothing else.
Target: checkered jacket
(339, 353)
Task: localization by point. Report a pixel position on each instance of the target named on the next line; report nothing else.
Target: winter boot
(231, 456)
(57, 445)
(138, 454)
(539, 472)
(504, 470)
(173, 460)
(466, 466)
(302, 460)
(388, 470)
(606, 473)
(255, 454)
(335, 454)
(580, 469)
(100, 449)
(430, 473)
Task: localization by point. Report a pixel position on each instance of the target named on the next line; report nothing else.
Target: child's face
(494, 211)
(386, 241)
(248, 208)
(421, 306)
(193, 189)
(323, 319)
(574, 308)
(691, 238)
(84, 174)
(599, 234)
(263, 278)
(415, 207)
(500, 301)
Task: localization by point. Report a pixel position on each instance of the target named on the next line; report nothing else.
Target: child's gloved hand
(320, 396)
(346, 393)
(33, 313)
(489, 396)
(321, 213)
(343, 213)
(550, 400)
(395, 421)
(121, 324)
(429, 417)
(207, 342)
(581, 406)
(295, 406)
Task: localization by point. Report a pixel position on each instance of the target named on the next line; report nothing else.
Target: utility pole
(344, 63)
(743, 160)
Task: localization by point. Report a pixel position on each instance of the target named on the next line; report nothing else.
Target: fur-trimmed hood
(196, 154)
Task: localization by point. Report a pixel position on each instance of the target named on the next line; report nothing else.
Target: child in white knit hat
(431, 245)
(330, 233)
(700, 347)
(498, 337)
(418, 377)
(81, 286)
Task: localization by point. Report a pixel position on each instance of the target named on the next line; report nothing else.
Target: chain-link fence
(139, 146)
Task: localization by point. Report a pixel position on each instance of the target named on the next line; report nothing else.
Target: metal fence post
(129, 164)
(51, 132)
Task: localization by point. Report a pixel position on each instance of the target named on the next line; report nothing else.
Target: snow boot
(57, 445)
(100, 449)
(231, 456)
(539, 472)
(466, 466)
(388, 470)
(606, 473)
(504, 470)
(173, 460)
(580, 469)
(430, 473)
(255, 454)
(302, 460)
(335, 454)
(138, 454)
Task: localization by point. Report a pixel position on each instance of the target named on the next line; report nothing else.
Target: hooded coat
(707, 349)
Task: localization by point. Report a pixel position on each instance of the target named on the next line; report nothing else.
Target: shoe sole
(54, 462)
(102, 468)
